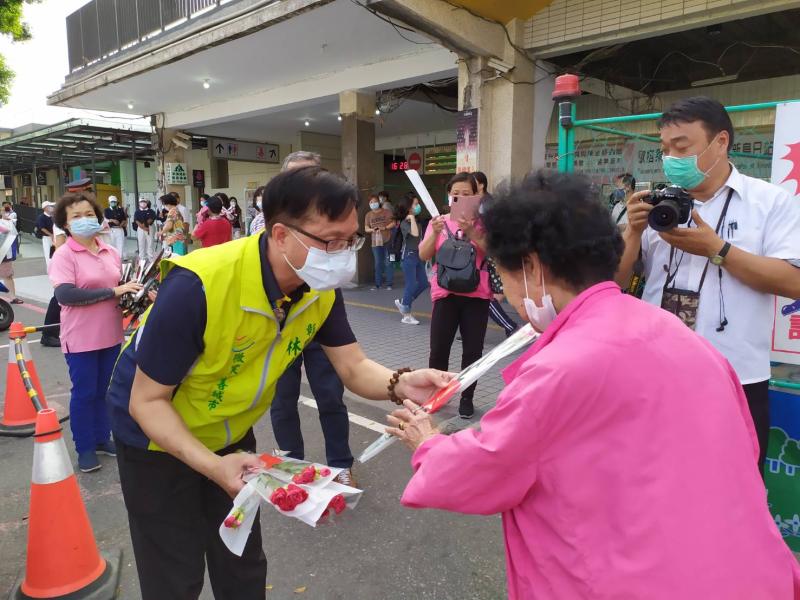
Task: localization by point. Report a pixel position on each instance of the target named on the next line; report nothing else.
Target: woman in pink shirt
(85, 274)
(467, 311)
(621, 454)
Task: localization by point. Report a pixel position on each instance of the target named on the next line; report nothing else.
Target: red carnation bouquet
(303, 490)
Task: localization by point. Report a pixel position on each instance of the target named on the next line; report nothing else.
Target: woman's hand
(411, 425)
(420, 385)
(438, 224)
(127, 288)
(410, 218)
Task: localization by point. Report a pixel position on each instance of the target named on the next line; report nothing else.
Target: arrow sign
(247, 151)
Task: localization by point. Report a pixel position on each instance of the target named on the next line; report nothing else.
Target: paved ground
(381, 551)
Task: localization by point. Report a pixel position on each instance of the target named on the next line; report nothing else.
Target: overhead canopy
(74, 142)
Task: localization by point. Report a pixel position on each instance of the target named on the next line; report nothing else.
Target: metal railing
(102, 28)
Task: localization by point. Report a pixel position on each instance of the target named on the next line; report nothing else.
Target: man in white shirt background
(740, 247)
(625, 185)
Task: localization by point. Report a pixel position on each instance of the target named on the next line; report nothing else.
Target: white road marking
(357, 419)
(28, 340)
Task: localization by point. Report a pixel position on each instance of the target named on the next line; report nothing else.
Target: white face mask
(323, 271)
(539, 316)
(374, 205)
(258, 204)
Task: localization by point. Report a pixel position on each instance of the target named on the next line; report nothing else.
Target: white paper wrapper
(248, 501)
(258, 490)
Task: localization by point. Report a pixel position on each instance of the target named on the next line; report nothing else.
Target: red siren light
(567, 86)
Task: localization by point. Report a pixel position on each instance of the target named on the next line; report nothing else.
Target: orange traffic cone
(19, 414)
(62, 559)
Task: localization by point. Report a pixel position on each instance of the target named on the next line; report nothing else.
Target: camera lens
(664, 216)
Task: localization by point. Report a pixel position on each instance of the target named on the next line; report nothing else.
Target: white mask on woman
(539, 316)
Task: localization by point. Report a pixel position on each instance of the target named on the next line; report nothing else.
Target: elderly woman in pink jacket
(621, 453)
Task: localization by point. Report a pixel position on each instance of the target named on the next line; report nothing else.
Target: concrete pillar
(358, 160)
(504, 98)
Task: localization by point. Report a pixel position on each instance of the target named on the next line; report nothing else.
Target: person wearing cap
(144, 219)
(117, 220)
(44, 230)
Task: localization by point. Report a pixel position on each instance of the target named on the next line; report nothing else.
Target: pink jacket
(622, 457)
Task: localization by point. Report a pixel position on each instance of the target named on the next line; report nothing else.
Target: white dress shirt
(762, 219)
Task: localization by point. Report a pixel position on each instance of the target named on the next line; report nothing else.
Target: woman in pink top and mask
(467, 312)
(621, 453)
(85, 273)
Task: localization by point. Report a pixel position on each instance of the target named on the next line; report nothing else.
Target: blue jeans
(328, 391)
(384, 270)
(415, 276)
(90, 373)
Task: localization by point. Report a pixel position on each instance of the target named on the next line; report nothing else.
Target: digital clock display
(399, 165)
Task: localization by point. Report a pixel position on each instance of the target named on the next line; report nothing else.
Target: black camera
(671, 206)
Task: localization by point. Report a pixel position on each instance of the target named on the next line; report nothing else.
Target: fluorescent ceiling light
(715, 80)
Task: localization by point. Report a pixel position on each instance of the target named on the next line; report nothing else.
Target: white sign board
(786, 173)
(176, 174)
(249, 151)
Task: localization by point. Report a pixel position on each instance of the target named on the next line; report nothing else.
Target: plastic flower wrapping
(522, 337)
(303, 490)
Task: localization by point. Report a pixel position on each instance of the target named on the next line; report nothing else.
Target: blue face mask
(84, 227)
(683, 170)
(417, 210)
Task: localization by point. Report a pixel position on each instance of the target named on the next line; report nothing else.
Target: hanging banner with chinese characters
(786, 173)
(603, 159)
(467, 141)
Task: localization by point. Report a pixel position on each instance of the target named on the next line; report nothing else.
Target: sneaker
(409, 320)
(465, 408)
(109, 448)
(346, 478)
(404, 310)
(373, 289)
(87, 462)
(388, 288)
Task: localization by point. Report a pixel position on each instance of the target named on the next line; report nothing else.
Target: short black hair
(258, 193)
(291, 195)
(480, 177)
(558, 217)
(463, 176)
(204, 197)
(627, 180)
(214, 205)
(67, 200)
(168, 200)
(708, 111)
(403, 205)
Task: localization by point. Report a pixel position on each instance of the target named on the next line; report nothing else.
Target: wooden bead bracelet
(393, 382)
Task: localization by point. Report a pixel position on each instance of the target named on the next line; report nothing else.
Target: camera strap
(671, 276)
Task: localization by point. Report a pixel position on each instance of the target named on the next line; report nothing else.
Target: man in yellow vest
(202, 369)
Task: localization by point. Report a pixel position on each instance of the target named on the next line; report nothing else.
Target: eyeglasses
(333, 246)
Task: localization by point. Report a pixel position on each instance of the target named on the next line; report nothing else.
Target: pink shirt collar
(584, 299)
(75, 246)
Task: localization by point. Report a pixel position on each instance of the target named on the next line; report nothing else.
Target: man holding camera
(720, 267)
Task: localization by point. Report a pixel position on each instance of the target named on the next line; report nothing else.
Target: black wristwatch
(719, 257)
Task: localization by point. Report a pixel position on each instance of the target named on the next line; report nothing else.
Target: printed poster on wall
(467, 141)
(786, 173)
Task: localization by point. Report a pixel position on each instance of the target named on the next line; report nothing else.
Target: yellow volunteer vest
(233, 381)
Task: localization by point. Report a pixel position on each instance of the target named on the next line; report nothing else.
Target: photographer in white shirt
(741, 246)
